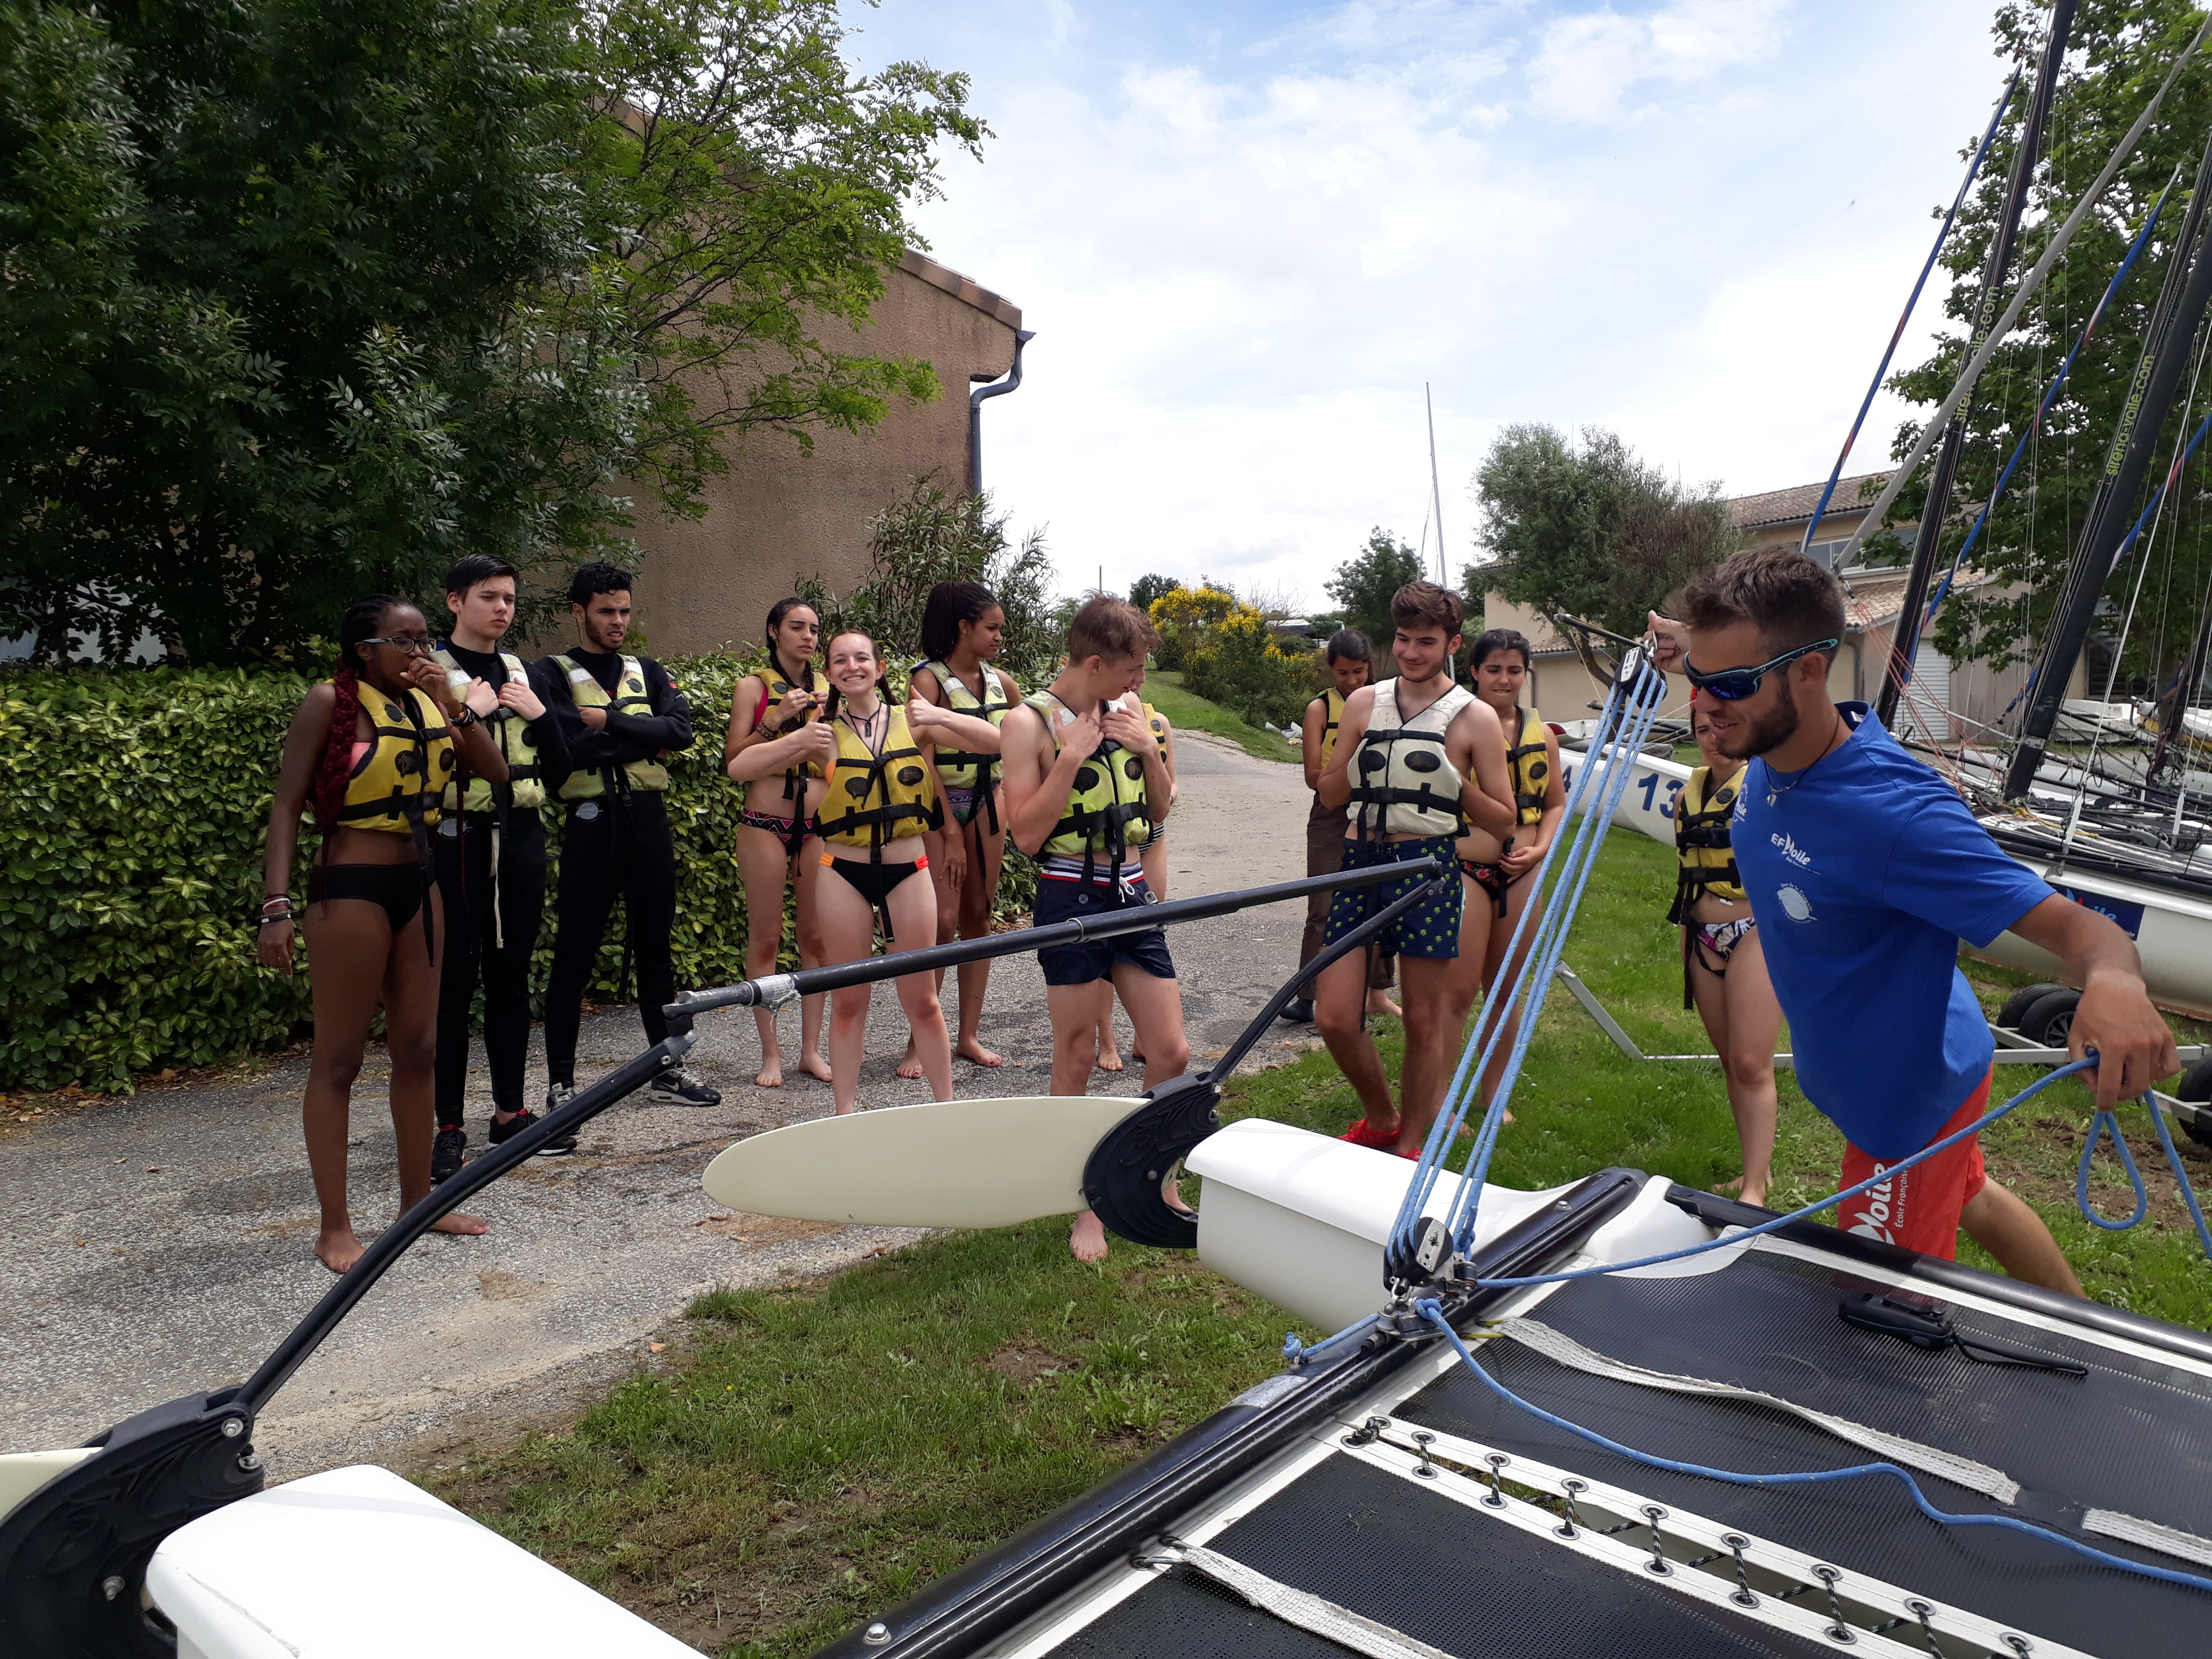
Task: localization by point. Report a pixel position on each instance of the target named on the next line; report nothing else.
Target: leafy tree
(306, 298)
(1145, 589)
(1363, 584)
(2121, 49)
(932, 537)
(1591, 531)
(1184, 616)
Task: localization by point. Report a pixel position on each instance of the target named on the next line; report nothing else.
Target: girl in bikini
(1497, 870)
(1155, 859)
(879, 803)
(370, 751)
(962, 629)
(1723, 967)
(776, 822)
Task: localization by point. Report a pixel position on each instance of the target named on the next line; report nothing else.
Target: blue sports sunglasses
(1734, 684)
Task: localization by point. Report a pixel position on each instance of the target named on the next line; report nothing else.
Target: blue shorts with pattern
(1430, 929)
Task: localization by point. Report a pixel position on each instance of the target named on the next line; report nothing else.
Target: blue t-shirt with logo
(1864, 875)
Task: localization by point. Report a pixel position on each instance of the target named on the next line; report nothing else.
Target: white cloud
(1588, 62)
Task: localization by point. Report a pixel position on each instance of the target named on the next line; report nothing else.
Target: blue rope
(2180, 1177)
(1431, 1310)
(2099, 1124)
(1973, 168)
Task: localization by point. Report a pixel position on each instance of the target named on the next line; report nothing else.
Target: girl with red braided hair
(371, 751)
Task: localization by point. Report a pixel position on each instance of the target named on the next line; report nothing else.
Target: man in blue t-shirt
(1865, 869)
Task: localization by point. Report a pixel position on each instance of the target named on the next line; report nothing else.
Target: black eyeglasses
(1734, 684)
(415, 646)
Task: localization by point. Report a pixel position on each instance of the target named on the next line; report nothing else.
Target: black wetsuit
(623, 848)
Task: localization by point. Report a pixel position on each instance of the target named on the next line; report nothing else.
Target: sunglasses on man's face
(1734, 684)
(413, 645)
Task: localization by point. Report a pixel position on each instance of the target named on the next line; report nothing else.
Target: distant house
(1945, 701)
(778, 514)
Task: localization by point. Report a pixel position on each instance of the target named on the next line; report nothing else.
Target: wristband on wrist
(466, 718)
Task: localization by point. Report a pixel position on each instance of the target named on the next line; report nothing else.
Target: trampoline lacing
(1324, 1618)
(1431, 1310)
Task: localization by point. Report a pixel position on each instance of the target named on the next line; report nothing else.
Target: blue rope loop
(1431, 1310)
(2180, 1175)
(2102, 1123)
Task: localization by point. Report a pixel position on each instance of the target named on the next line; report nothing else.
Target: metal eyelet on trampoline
(2020, 1644)
(1838, 1630)
(1421, 1441)
(1742, 1595)
(1657, 1563)
(1497, 1498)
(1571, 1526)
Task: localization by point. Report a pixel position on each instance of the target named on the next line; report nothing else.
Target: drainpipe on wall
(996, 388)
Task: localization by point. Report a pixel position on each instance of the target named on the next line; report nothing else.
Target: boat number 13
(1650, 781)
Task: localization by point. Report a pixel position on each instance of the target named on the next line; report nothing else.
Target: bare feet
(1739, 1189)
(468, 1226)
(847, 1111)
(336, 1248)
(1109, 1058)
(815, 1067)
(1379, 1002)
(1087, 1238)
(909, 1064)
(771, 1075)
(971, 1049)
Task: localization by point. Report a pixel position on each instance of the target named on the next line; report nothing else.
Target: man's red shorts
(1920, 1208)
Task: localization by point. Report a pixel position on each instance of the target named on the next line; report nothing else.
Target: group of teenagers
(1826, 877)
(427, 761)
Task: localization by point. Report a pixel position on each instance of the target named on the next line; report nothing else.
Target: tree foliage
(932, 537)
(1590, 530)
(1363, 584)
(305, 300)
(2121, 49)
(1146, 588)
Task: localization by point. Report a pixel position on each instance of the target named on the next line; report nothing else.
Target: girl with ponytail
(771, 708)
(369, 753)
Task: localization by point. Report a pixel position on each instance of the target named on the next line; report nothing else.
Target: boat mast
(2175, 711)
(1943, 478)
(2173, 323)
(1436, 490)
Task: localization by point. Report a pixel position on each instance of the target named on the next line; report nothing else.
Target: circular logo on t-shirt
(1794, 904)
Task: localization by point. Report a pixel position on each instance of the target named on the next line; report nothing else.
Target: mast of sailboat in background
(1942, 479)
(2181, 305)
(1436, 492)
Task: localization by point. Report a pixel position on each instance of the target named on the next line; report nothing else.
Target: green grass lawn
(1188, 712)
(811, 1453)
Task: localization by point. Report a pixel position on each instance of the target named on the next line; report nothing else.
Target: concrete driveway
(163, 1244)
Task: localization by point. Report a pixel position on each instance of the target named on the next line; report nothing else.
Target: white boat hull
(2173, 930)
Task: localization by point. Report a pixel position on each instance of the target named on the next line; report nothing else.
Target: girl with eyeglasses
(370, 752)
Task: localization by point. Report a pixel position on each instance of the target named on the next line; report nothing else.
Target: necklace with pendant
(1774, 793)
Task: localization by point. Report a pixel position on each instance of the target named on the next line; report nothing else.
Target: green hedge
(132, 809)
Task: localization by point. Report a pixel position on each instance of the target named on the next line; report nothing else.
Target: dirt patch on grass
(1024, 1363)
(764, 1229)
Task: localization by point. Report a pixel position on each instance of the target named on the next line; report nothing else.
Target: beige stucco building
(778, 513)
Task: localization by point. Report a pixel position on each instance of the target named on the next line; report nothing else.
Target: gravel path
(163, 1244)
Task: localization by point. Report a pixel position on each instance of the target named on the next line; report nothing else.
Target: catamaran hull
(2173, 931)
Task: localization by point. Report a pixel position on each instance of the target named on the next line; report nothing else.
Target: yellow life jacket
(397, 785)
(525, 777)
(630, 698)
(877, 796)
(1159, 724)
(956, 769)
(1331, 722)
(1701, 842)
(1106, 811)
(778, 689)
(1402, 783)
(1529, 763)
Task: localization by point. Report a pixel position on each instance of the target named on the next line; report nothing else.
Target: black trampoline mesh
(1474, 1587)
(2134, 1436)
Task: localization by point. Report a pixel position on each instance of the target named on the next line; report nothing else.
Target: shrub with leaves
(1184, 616)
(1240, 665)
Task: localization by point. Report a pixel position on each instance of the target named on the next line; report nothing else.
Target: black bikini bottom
(874, 882)
(401, 888)
(1490, 877)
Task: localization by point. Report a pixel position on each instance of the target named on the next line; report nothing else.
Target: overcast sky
(1247, 234)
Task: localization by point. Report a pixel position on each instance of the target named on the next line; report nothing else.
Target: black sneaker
(522, 1120)
(1298, 1013)
(679, 1088)
(448, 1151)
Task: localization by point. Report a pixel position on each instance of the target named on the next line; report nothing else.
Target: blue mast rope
(1973, 168)
(1431, 1310)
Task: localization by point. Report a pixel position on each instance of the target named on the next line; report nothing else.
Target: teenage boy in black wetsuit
(621, 716)
(489, 849)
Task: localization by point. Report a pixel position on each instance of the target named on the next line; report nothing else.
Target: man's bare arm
(2133, 1045)
(1038, 782)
